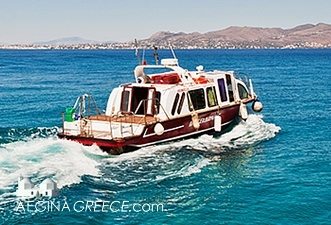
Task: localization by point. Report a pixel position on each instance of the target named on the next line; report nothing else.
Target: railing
(125, 116)
(154, 111)
(128, 117)
(121, 118)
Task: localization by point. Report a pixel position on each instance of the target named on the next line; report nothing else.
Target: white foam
(64, 161)
(141, 153)
(246, 133)
(186, 170)
(249, 132)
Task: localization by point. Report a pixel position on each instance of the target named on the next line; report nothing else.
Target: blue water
(272, 169)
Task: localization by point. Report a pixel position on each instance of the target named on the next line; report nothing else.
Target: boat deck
(148, 119)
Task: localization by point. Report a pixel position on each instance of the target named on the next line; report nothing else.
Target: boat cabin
(175, 92)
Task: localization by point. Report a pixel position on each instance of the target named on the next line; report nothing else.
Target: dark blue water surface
(272, 169)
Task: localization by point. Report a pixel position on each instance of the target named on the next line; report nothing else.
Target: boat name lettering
(203, 120)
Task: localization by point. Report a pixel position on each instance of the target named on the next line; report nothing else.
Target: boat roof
(154, 75)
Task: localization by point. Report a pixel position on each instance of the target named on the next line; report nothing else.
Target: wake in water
(38, 153)
(165, 161)
(8, 135)
(62, 160)
(247, 133)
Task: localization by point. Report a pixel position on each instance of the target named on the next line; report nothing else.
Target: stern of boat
(107, 132)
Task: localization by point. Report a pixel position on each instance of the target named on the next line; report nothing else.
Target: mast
(137, 51)
(156, 55)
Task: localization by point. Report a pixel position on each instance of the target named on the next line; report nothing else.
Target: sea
(273, 168)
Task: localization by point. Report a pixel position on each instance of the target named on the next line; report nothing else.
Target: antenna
(137, 51)
(156, 55)
(172, 51)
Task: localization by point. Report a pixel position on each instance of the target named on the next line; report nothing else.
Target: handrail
(150, 99)
(63, 129)
(138, 107)
(124, 117)
(81, 105)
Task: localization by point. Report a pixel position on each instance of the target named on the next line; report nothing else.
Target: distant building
(28, 190)
(48, 188)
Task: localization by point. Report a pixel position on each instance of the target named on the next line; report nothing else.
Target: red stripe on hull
(174, 129)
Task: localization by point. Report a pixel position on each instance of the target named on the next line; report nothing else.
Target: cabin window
(229, 85)
(211, 96)
(181, 101)
(157, 101)
(197, 99)
(221, 86)
(174, 106)
(125, 101)
(46, 193)
(242, 91)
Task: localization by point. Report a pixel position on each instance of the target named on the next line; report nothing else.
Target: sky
(27, 21)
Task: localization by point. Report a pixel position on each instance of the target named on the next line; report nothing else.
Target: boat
(165, 103)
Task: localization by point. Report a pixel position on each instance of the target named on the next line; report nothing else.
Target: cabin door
(143, 101)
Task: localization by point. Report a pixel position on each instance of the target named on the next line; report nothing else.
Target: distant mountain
(307, 35)
(303, 36)
(67, 41)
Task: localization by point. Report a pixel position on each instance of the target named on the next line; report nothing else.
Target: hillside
(307, 35)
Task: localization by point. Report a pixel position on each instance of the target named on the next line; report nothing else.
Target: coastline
(161, 48)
